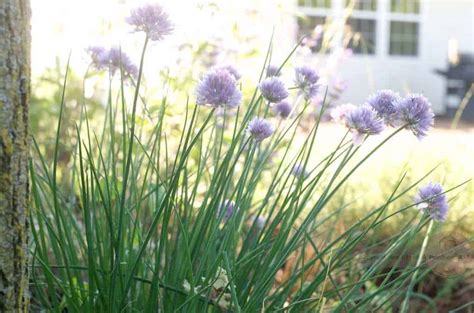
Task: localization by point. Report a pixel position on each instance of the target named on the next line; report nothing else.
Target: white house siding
(440, 21)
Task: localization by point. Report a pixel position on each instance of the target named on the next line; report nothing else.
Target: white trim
(315, 11)
(370, 15)
(382, 29)
(404, 17)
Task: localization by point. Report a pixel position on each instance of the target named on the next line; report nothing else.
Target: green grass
(137, 226)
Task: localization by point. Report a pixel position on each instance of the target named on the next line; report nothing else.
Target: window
(312, 27)
(360, 35)
(405, 6)
(363, 5)
(397, 28)
(315, 3)
(404, 27)
(403, 38)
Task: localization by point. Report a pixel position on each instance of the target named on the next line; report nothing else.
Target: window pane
(405, 6)
(403, 38)
(363, 5)
(360, 35)
(312, 27)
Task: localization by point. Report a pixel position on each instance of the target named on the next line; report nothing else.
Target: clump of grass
(225, 213)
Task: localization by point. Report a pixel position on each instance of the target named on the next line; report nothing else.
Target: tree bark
(14, 95)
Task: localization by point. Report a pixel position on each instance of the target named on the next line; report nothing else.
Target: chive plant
(231, 213)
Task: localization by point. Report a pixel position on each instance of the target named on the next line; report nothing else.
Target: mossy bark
(14, 95)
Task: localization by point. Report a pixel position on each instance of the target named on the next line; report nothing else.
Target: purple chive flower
(432, 200)
(117, 58)
(299, 171)
(339, 113)
(151, 19)
(230, 69)
(260, 129)
(227, 209)
(415, 112)
(305, 76)
(273, 89)
(383, 102)
(363, 121)
(112, 59)
(217, 89)
(306, 80)
(311, 92)
(273, 71)
(283, 109)
(96, 53)
(340, 85)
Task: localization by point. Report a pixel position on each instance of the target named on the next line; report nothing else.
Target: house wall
(440, 21)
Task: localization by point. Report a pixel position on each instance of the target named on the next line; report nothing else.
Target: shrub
(229, 212)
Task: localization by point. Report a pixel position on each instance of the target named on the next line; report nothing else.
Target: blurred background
(358, 47)
(406, 45)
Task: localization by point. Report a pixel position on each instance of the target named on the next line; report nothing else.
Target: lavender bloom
(363, 121)
(273, 71)
(311, 91)
(305, 76)
(116, 58)
(151, 19)
(338, 88)
(96, 53)
(227, 209)
(415, 112)
(299, 171)
(306, 80)
(433, 201)
(217, 89)
(260, 129)
(340, 85)
(231, 69)
(339, 113)
(112, 59)
(383, 102)
(283, 109)
(273, 89)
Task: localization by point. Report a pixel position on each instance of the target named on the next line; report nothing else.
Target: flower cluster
(339, 113)
(112, 59)
(260, 129)
(432, 200)
(230, 69)
(386, 107)
(152, 20)
(273, 71)
(306, 80)
(227, 209)
(299, 171)
(283, 109)
(217, 89)
(414, 111)
(273, 89)
(383, 103)
(363, 121)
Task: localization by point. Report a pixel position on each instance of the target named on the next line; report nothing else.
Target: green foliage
(136, 226)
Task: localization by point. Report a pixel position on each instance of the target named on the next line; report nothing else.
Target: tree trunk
(14, 95)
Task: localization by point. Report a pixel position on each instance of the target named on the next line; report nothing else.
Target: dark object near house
(460, 77)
